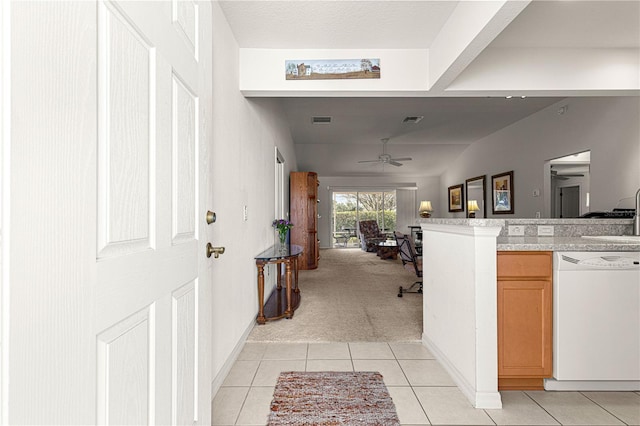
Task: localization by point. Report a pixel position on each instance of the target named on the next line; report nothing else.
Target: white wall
(243, 172)
(429, 189)
(608, 126)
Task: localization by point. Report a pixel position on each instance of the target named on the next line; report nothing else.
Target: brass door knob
(215, 251)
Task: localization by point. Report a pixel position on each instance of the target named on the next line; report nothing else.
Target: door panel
(151, 175)
(125, 360)
(185, 350)
(184, 176)
(126, 141)
(570, 201)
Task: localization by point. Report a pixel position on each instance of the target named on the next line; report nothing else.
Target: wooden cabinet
(525, 297)
(303, 203)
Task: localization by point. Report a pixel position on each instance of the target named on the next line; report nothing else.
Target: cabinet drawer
(524, 264)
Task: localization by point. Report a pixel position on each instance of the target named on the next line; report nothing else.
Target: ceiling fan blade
(369, 161)
(402, 159)
(395, 163)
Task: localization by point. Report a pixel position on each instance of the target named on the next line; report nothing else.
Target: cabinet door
(524, 328)
(304, 215)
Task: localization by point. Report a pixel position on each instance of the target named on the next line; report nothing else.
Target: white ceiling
(397, 24)
(450, 123)
(336, 24)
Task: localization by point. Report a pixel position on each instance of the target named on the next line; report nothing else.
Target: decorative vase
(283, 237)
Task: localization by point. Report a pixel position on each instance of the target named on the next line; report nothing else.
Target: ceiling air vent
(321, 120)
(413, 120)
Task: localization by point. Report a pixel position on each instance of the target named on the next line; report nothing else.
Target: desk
(282, 256)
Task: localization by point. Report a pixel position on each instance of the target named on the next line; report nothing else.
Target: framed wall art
(332, 69)
(456, 198)
(502, 193)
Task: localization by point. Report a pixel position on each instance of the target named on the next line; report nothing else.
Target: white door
(115, 300)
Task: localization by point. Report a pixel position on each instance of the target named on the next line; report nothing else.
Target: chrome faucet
(636, 218)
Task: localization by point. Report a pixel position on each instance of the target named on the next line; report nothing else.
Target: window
(348, 208)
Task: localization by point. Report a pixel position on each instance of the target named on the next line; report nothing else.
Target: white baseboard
(224, 371)
(488, 400)
(591, 385)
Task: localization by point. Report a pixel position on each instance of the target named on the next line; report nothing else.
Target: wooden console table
(283, 301)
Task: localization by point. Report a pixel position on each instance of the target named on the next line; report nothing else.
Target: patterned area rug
(332, 398)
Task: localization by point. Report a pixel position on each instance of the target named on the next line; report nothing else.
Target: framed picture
(502, 193)
(456, 198)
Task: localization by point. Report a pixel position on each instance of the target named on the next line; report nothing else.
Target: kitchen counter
(460, 302)
(567, 233)
(561, 244)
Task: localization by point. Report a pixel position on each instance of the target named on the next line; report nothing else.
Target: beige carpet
(351, 297)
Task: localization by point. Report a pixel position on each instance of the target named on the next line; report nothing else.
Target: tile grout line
(413, 391)
(595, 402)
(490, 418)
(251, 384)
(540, 405)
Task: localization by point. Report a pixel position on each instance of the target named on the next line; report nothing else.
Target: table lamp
(425, 209)
(472, 208)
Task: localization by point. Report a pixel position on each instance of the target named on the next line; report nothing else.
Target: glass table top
(388, 243)
(277, 252)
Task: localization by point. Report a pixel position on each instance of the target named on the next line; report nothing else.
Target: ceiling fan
(385, 158)
(564, 176)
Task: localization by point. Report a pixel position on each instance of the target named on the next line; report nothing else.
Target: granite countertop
(502, 222)
(567, 233)
(562, 244)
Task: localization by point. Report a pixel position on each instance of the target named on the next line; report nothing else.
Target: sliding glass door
(348, 208)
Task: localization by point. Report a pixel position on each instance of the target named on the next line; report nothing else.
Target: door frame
(5, 208)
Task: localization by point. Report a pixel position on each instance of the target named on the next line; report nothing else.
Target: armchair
(370, 235)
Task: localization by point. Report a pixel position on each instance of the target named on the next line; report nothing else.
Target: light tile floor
(421, 389)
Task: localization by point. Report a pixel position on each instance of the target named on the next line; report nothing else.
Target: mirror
(475, 189)
(569, 185)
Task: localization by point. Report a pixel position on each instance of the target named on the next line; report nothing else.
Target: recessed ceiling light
(414, 119)
(523, 97)
(508, 97)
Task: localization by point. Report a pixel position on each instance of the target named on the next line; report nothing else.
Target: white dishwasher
(596, 321)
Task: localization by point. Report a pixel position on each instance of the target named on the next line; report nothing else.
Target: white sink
(634, 239)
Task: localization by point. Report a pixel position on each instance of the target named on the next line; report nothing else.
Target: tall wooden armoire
(303, 203)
